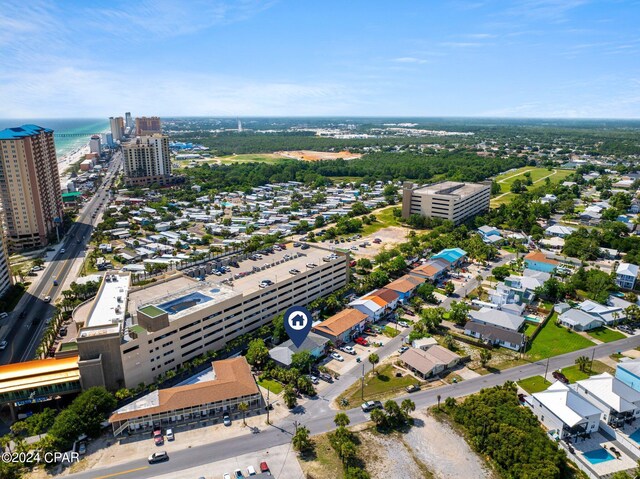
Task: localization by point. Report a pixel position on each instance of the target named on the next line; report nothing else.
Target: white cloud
(410, 60)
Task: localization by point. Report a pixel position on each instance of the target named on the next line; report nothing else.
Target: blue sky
(516, 58)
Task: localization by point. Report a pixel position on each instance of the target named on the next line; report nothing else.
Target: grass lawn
(391, 332)
(529, 329)
(377, 386)
(606, 335)
(274, 386)
(553, 340)
(385, 219)
(323, 462)
(249, 158)
(574, 374)
(534, 384)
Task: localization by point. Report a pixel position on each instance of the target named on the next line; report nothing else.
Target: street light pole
(362, 382)
(268, 395)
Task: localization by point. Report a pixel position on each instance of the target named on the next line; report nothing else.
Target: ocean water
(80, 128)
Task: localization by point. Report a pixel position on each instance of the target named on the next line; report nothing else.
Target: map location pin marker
(297, 323)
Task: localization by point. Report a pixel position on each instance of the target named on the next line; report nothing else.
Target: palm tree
(378, 417)
(408, 406)
(374, 359)
(300, 440)
(243, 407)
(485, 357)
(583, 363)
(341, 419)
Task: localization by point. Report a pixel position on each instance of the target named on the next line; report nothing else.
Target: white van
(3, 315)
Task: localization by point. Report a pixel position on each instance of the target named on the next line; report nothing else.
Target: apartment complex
(117, 128)
(95, 144)
(128, 120)
(174, 321)
(5, 273)
(148, 125)
(30, 193)
(448, 200)
(147, 160)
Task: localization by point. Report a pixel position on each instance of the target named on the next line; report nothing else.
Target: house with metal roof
(314, 343)
(497, 318)
(629, 373)
(618, 402)
(454, 256)
(564, 412)
(433, 270)
(579, 320)
(495, 336)
(626, 275)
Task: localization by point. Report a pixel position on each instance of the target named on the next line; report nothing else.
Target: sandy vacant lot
(307, 155)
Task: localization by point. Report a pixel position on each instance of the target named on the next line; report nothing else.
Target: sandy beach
(64, 162)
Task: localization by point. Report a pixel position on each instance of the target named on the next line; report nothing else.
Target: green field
(534, 384)
(505, 181)
(553, 340)
(606, 335)
(385, 219)
(381, 384)
(391, 332)
(248, 158)
(574, 374)
(274, 386)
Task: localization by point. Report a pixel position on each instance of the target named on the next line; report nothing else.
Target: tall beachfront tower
(147, 160)
(30, 194)
(128, 120)
(117, 127)
(5, 274)
(148, 125)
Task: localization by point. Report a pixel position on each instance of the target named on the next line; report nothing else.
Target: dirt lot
(307, 155)
(390, 237)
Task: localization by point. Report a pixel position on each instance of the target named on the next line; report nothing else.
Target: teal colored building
(629, 373)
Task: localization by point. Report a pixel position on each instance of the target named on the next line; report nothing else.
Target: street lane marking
(123, 472)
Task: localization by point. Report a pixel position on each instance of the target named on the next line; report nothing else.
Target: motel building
(40, 382)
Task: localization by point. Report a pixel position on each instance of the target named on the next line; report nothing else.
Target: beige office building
(169, 323)
(148, 125)
(147, 160)
(448, 200)
(30, 194)
(5, 274)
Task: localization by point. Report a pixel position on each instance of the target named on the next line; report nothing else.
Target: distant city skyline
(523, 58)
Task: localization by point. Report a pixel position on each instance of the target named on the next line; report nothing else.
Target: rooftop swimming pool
(598, 455)
(185, 302)
(636, 436)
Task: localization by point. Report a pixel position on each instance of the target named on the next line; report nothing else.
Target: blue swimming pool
(598, 455)
(636, 436)
(185, 302)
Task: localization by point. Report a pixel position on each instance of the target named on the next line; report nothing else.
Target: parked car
(325, 377)
(264, 468)
(348, 350)
(413, 388)
(361, 341)
(294, 271)
(403, 349)
(47, 299)
(226, 419)
(403, 324)
(314, 379)
(251, 471)
(158, 438)
(158, 457)
(238, 474)
(170, 436)
(371, 405)
(560, 377)
(337, 357)
(226, 475)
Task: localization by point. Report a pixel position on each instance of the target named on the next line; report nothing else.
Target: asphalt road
(318, 417)
(25, 334)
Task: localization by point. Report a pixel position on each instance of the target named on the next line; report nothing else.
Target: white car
(3, 345)
(403, 349)
(169, 434)
(63, 251)
(337, 357)
(403, 324)
(47, 299)
(226, 475)
(348, 349)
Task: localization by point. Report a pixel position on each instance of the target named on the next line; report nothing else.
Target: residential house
(386, 298)
(618, 402)
(455, 257)
(563, 411)
(314, 343)
(490, 234)
(497, 318)
(343, 326)
(626, 275)
(518, 289)
(537, 261)
(424, 343)
(559, 231)
(432, 270)
(610, 313)
(374, 308)
(494, 335)
(426, 363)
(579, 320)
(405, 286)
(629, 373)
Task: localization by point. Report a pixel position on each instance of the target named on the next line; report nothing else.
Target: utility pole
(268, 405)
(593, 353)
(362, 382)
(546, 370)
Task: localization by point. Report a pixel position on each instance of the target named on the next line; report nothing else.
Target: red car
(264, 469)
(158, 438)
(352, 264)
(361, 341)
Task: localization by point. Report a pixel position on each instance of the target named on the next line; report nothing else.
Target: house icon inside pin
(298, 320)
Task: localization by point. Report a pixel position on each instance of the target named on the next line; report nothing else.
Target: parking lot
(362, 352)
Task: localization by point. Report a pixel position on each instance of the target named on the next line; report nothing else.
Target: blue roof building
(454, 256)
(23, 131)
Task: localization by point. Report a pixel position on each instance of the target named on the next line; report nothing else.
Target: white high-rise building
(95, 144)
(117, 127)
(128, 120)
